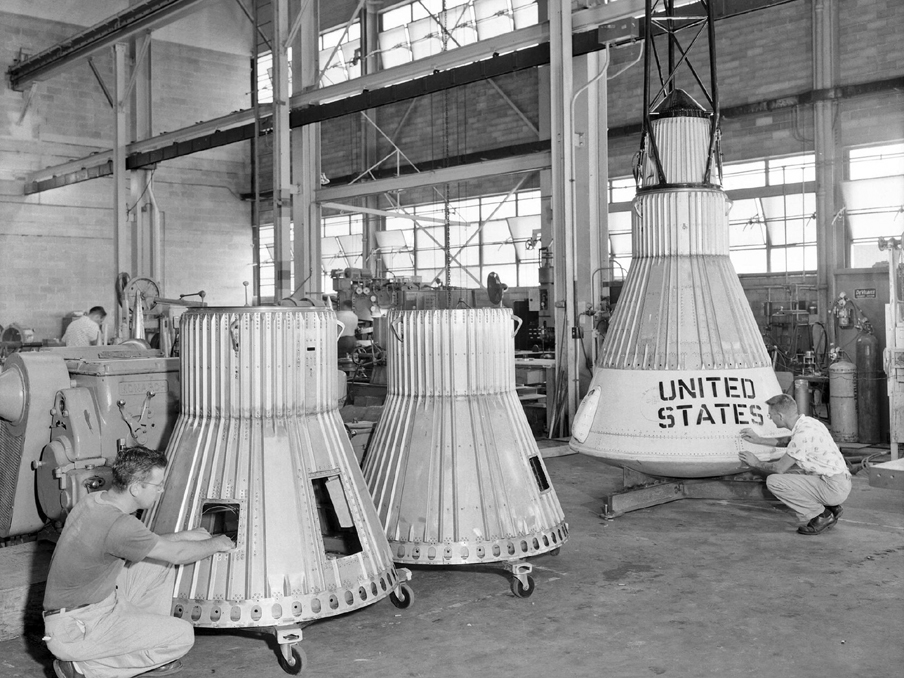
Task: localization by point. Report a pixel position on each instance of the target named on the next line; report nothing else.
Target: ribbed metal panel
(680, 222)
(453, 468)
(683, 144)
(259, 426)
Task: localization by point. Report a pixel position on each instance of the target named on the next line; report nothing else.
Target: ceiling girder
(118, 28)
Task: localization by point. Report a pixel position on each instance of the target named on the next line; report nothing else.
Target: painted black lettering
(731, 387)
(713, 381)
(686, 387)
(751, 393)
(664, 416)
(662, 395)
(683, 409)
(756, 413)
(740, 413)
(722, 407)
(704, 415)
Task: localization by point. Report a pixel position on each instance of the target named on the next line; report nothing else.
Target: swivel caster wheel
(522, 590)
(292, 660)
(402, 597)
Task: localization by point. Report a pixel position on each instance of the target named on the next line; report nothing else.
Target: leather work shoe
(836, 510)
(64, 669)
(819, 524)
(167, 669)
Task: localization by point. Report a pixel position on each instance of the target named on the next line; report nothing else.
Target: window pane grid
(768, 234)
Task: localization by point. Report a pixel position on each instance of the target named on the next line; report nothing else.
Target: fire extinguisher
(844, 312)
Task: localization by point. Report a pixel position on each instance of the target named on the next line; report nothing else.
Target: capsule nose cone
(679, 103)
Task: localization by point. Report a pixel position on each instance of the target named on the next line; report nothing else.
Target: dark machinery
(64, 414)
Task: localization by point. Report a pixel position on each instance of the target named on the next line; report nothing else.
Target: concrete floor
(694, 588)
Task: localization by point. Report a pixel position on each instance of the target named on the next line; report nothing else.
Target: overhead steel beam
(356, 209)
(522, 38)
(118, 28)
(93, 166)
(230, 128)
(472, 172)
(168, 140)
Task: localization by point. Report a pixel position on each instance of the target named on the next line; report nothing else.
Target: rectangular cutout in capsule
(340, 537)
(221, 517)
(539, 473)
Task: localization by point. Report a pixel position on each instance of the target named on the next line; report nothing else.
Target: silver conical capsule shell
(453, 468)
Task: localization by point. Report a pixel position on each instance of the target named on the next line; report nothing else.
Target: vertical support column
(122, 241)
(591, 206)
(282, 195)
(371, 64)
(306, 157)
(561, 88)
(148, 232)
(598, 100)
(831, 236)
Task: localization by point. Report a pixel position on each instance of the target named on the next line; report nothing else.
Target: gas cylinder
(802, 395)
(868, 376)
(843, 400)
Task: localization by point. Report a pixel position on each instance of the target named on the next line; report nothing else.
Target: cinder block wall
(56, 247)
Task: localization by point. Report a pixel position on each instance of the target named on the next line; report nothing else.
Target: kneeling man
(820, 483)
(110, 586)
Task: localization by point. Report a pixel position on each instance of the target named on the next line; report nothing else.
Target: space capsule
(454, 471)
(260, 453)
(683, 367)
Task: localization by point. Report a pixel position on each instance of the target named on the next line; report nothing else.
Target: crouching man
(110, 586)
(820, 483)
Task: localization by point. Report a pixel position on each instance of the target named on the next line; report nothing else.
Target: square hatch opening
(221, 517)
(340, 537)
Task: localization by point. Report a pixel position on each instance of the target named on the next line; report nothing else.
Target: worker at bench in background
(349, 320)
(110, 586)
(85, 330)
(821, 482)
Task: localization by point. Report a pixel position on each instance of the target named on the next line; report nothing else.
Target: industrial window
(341, 245)
(487, 234)
(873, 199)
(340, 60)
(422, 28)
(772, 220)
(340, 54)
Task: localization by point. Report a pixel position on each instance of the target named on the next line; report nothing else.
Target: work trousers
(129, 632)
(807, 494)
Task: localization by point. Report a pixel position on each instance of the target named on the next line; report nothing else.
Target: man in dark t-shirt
(110, 586)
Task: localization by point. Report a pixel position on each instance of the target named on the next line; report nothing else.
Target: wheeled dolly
(292, 658)
(522, 583)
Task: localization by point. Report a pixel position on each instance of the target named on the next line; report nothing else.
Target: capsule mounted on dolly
(683, 367)
(259, 453)
(454, 471)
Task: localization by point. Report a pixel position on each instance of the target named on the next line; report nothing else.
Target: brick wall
(56, 247)
(766, 55)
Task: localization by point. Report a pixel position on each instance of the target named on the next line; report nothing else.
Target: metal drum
(454, 471)
(259, 453)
